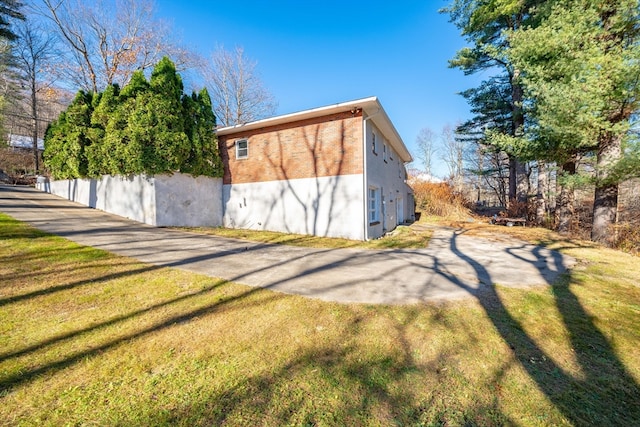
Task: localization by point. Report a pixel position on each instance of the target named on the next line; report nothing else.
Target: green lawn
(90, 338)
(403, 237)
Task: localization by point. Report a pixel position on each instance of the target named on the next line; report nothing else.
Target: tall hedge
(148, 127)
(67, 138)
(98, 153)
(200, 120)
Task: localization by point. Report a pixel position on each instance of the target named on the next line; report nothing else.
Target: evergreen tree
(484, 24)
(492, 111)
(147, 127)
(138, 84)
(66, 139)
(157, 124)
(99, 153)
(122, 155)
(9, 10)
(204, 156)
(580, 68)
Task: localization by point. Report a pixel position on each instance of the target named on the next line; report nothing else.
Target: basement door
(399, 210)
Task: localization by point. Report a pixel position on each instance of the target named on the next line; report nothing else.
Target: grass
(90, 338)
(403, 237)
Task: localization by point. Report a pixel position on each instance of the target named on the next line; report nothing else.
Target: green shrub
(148, 127)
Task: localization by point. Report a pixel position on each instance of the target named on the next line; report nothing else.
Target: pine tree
(484, 25)
(9, 10)
(580, 65)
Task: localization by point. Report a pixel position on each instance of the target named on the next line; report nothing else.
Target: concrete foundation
(325, 206)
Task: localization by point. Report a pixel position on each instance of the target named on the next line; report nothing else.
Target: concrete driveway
(453, 266)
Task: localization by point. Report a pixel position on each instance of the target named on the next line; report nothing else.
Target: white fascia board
(293, 117)
(371, 107)
(382, 121)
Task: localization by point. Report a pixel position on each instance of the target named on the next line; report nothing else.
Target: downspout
(365, 183)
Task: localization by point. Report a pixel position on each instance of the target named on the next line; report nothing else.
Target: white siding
(386, 172)
(325, 206)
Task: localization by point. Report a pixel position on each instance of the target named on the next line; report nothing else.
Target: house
(335, 171)
(24, 142)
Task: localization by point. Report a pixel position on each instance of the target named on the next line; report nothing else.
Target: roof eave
(385, 125)
(370, 106)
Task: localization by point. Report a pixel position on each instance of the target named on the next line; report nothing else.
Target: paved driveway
(453, 265)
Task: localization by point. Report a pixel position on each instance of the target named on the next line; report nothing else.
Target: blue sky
(332, 51)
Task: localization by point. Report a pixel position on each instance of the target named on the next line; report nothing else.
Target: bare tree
(453, 155)
(488, 169)
(237, 92)
(34, 51)
(108, 40)
(426, 149)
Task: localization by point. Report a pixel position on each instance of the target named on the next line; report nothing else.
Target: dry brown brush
(439, 199)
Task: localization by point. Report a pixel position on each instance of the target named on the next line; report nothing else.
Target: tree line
(51, 49)
(563, 94)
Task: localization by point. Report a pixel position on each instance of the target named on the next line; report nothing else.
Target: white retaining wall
(326, 206)
(161, 200)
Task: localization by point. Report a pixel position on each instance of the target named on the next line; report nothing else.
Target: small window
(384, 152)
(374, 147)
(374, 203)
(242, 149)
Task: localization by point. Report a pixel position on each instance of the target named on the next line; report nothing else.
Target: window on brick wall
(374, 205)
(384, 152)
(242, 149)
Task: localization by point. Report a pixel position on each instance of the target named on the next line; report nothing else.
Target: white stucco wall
(163, 200)
(387, 173)
(326, 206)
(191, 202)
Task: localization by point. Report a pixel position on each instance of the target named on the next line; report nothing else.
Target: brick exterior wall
(324, 146)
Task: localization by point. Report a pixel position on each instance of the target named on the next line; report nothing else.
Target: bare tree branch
(237, 92)
(34, 51)
(453, 155)
(426, 148)
(109, 39)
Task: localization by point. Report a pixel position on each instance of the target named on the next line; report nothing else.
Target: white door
(399, 210)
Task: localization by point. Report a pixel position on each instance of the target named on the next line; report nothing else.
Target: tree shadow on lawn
(378, 382)
(367, 393)
(607, 395)
(10, 381)
(48, 290)
(334, 383)
(26, 375)
(67, 360)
